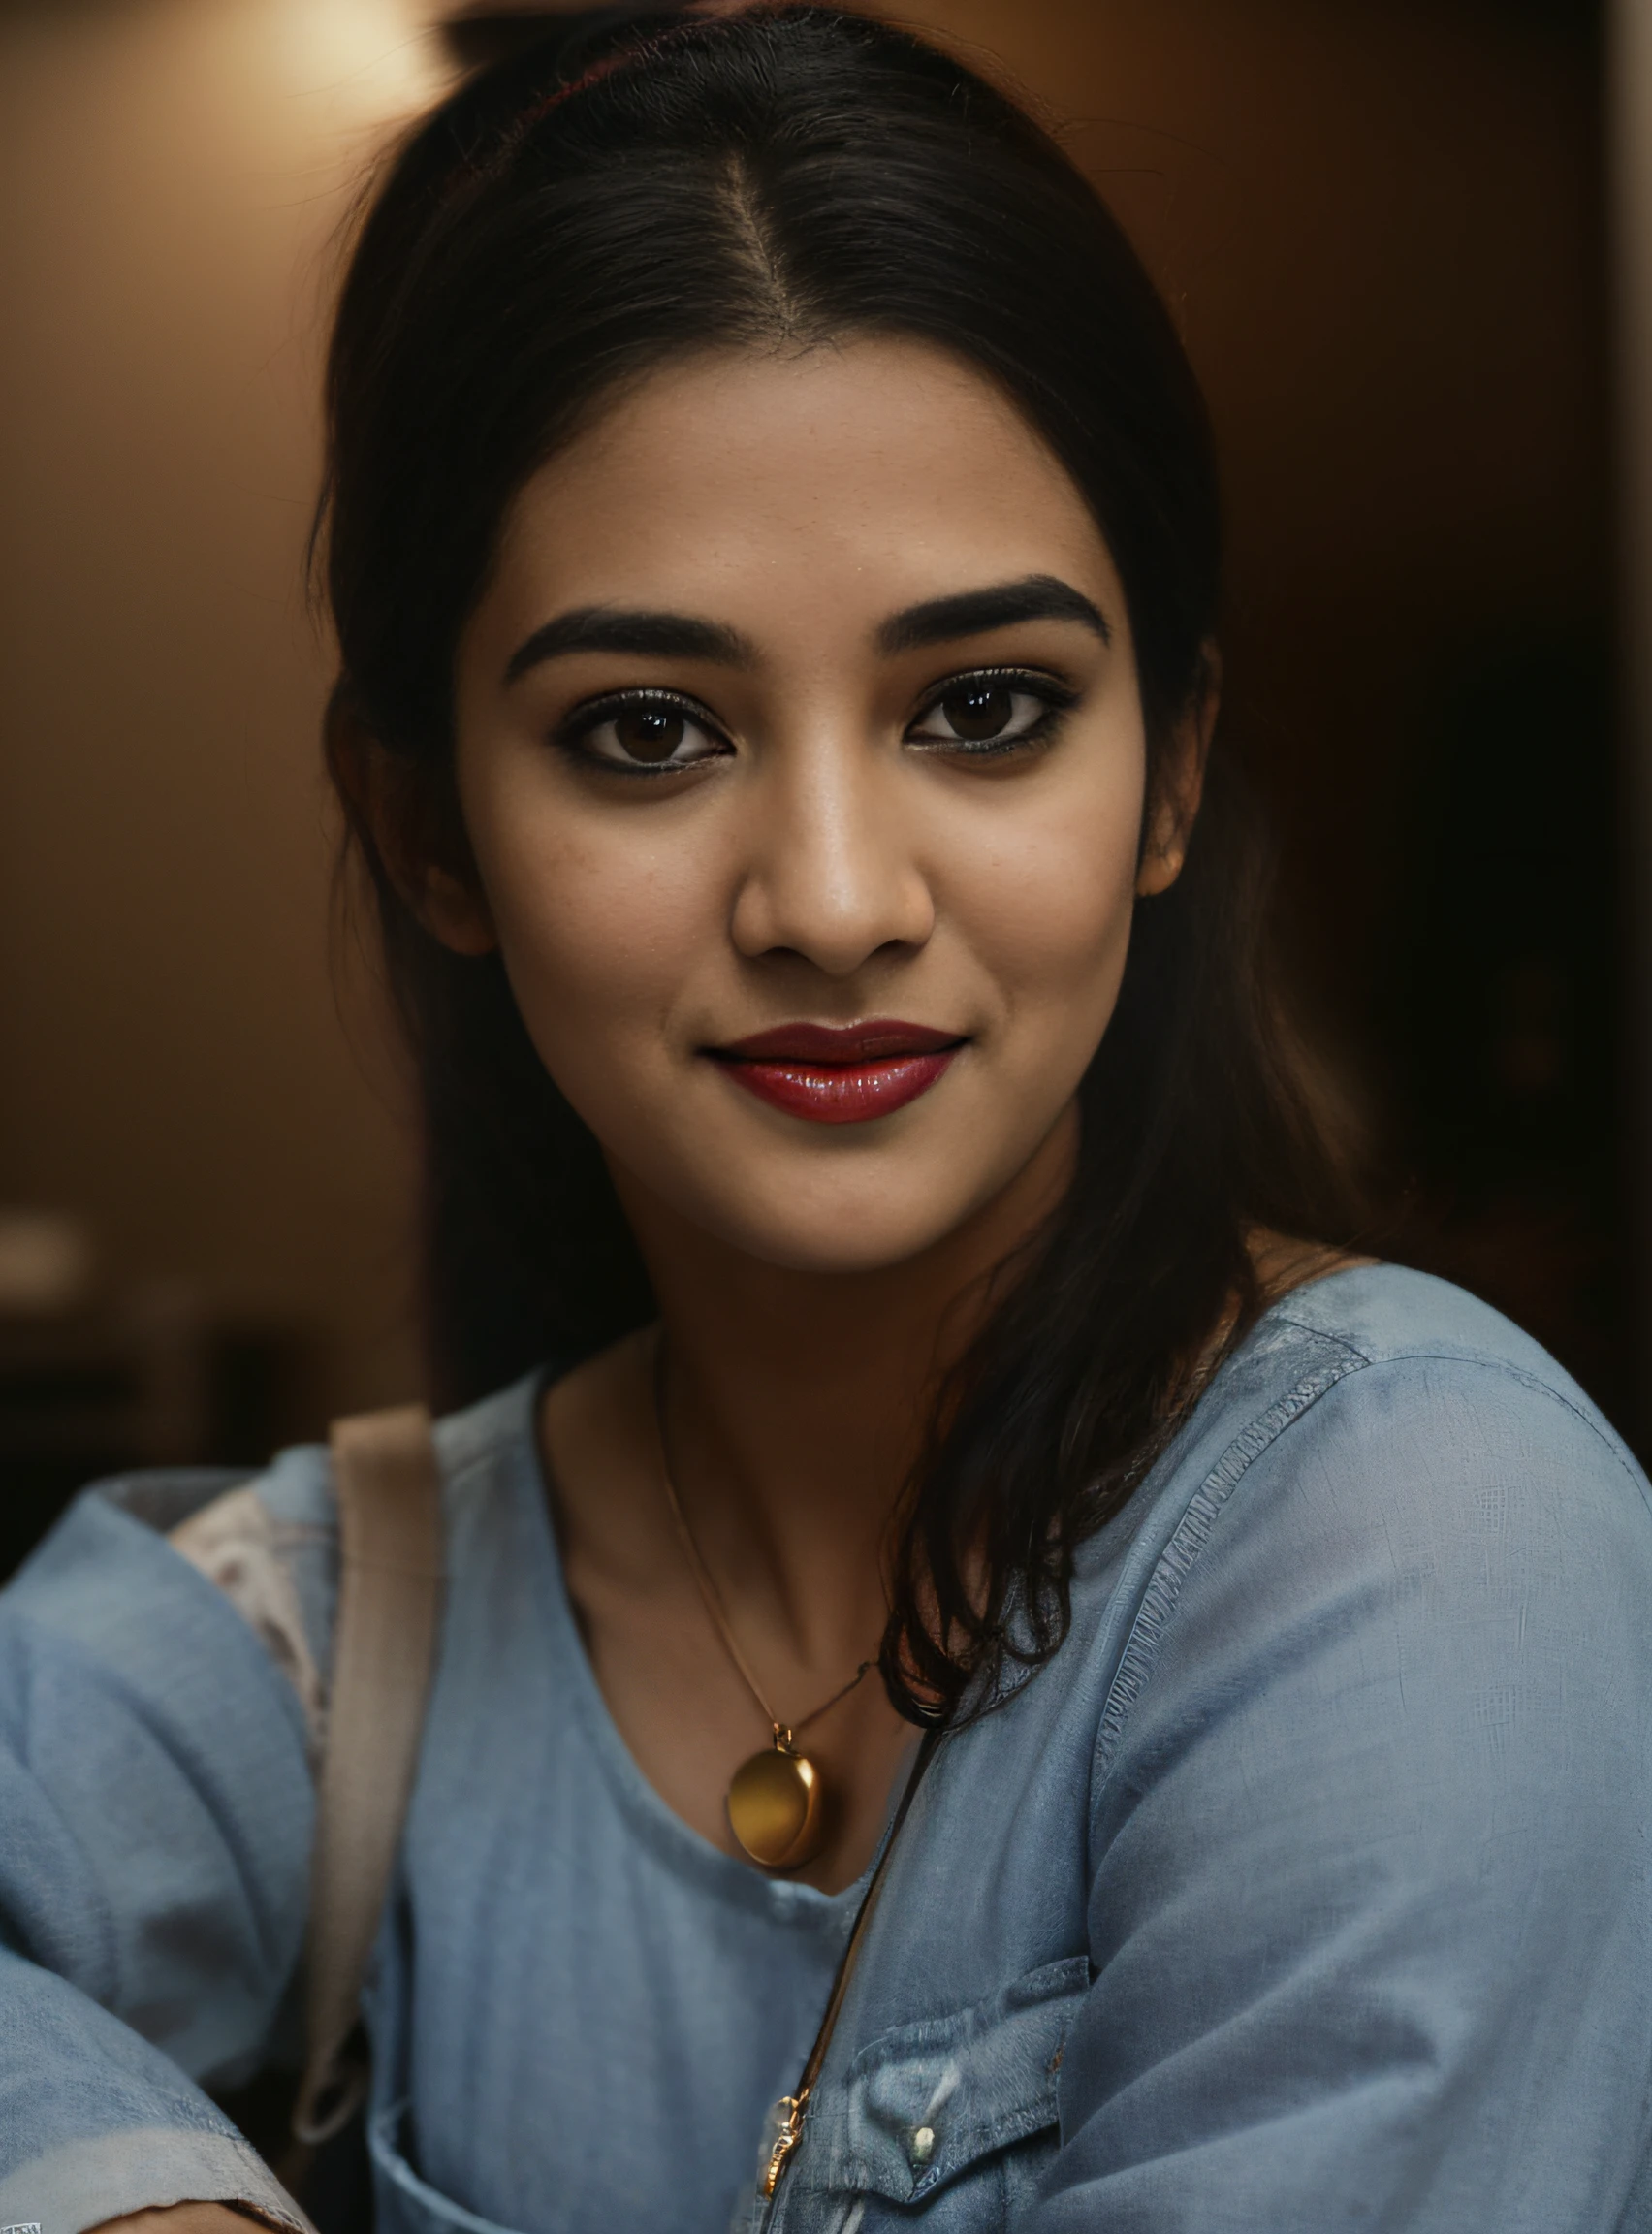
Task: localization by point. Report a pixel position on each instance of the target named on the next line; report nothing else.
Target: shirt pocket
(928, 2103)
(405, 2204)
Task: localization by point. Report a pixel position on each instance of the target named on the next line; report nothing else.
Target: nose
(830, 873)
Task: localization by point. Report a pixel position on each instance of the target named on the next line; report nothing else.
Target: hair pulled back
(630, 188)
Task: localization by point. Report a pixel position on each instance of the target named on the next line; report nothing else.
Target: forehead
(880, 470)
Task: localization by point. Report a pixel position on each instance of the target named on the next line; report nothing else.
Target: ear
(1179, 784)
(418, 835)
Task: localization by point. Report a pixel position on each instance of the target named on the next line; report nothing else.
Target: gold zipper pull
(796, 2106)
(785, 2140)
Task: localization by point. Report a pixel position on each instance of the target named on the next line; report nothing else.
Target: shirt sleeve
(1371, 1917)
(156, 1813)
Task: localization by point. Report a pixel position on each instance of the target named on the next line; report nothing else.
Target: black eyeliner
(577, 724)
(1058, 699)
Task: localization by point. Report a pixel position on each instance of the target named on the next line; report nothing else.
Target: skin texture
(821, 869)
(184, 2218)
(831, 854)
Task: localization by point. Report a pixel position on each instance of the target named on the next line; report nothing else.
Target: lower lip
(840, 1093)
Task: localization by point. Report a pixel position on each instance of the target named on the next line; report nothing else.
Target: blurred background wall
(1381, 224)
(174, 1072)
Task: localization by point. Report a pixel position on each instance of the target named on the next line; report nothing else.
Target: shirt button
(923, 2144)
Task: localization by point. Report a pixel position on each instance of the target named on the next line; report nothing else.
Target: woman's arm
(1371, 1913)
(156, 1807)
(180, 2218)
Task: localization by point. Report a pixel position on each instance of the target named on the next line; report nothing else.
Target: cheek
(597, 928)
(1050, 909)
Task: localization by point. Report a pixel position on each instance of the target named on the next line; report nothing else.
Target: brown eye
(641, 734)
(649, 733)
(993, 715)
(978, 714)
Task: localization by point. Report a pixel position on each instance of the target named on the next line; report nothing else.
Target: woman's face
(802, 754)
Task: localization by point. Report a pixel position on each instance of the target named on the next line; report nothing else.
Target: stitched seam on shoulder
(1175, 1562)
(1279, 1316)
(1528, 1381)
(1163, 1594)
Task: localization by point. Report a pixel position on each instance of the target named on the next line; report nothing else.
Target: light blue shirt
(1310, 1887)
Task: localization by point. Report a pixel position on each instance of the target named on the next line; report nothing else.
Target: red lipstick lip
(840, 1074)
(871, 1042)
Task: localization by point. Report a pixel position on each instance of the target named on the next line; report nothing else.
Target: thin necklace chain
(784, 1732)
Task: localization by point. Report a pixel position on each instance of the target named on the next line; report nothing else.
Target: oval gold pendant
(774, 1809)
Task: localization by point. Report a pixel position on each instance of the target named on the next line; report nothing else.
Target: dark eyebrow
(649, 635)
(972, 612)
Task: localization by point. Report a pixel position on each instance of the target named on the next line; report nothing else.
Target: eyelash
(1058, 699)
(571, 733)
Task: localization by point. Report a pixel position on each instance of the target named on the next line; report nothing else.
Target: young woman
(771, 536)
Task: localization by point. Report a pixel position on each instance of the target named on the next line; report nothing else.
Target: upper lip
(879, 1040)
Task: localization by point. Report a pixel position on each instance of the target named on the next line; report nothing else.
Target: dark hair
(620, 192)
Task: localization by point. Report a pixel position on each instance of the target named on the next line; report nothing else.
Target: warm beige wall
(1376, 220)
(171, 1059)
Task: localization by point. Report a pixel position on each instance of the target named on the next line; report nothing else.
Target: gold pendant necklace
(775, 1800)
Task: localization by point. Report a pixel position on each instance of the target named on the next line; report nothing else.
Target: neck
(796, 1402)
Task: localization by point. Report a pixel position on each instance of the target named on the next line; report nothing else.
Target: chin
(832, 1230)
(836, 1254)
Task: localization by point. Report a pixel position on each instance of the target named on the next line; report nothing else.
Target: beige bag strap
(390, 1540)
